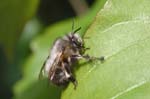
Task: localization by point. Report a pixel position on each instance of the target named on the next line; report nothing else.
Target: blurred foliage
(14, 15)
(31, 30)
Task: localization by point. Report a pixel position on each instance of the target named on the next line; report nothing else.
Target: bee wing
(53, 60)
(41, 74)
(53, 65)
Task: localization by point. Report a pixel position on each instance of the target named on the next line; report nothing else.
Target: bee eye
(76, 43)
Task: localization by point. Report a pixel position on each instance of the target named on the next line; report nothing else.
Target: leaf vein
(129, 89)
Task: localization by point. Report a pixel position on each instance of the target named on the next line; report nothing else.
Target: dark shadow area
(5, 91)
(51, 11)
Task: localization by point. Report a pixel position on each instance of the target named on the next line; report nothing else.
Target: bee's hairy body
(58, 66)
(62, 73)
(65, 52)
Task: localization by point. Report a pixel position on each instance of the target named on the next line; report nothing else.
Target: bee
(65, 52)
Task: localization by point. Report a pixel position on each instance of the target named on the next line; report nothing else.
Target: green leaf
(121, 34)
(14, 15)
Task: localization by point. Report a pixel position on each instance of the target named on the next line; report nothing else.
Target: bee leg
(93, 58)
(74, 81)
(70, 63)
(67, 70)
(89, 58)
(102, 58)
(86, 48)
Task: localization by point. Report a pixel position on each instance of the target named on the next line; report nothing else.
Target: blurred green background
(25, 24)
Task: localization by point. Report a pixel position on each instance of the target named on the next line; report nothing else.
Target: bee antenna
(72, 25)
(77, 30)
(74, 31)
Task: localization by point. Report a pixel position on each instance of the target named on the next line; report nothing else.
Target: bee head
(76, 39)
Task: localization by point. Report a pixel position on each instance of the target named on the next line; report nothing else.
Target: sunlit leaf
(121, 34)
